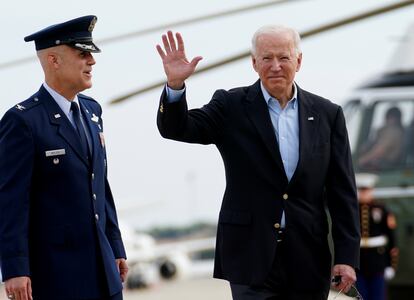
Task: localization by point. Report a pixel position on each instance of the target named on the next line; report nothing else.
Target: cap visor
(86, 46)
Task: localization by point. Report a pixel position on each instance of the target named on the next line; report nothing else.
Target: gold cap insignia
(92, 25)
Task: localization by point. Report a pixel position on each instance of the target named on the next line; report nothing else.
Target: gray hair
(272, 29)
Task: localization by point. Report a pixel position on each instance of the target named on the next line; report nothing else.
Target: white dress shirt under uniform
(64, 105)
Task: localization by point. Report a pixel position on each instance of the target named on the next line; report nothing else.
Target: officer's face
(276, 62)
(75, 69)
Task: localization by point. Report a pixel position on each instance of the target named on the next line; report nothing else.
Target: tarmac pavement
(200, 289)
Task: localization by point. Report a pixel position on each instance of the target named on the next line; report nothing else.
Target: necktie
(79, 127)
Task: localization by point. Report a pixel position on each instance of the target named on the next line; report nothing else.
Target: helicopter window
(387, 144)
(353, 114)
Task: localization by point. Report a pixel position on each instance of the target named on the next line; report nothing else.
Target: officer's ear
(48, 58)
(52, 58)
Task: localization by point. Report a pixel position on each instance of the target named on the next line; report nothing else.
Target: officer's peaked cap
(366, 180)
(76, 33)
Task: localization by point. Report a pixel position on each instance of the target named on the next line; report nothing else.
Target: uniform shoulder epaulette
(27, 104)
(84, 97)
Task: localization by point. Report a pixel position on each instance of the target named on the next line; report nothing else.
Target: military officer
(59, 235)
(378, 254)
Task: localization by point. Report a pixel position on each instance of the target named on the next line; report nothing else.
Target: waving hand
(176, 65)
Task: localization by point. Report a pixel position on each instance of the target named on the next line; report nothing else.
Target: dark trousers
(245, 292)
(114, 297)
(276, 286)
(371, 287)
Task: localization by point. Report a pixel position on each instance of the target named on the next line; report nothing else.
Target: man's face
(365, 195)
(276, 62)
(75, 69)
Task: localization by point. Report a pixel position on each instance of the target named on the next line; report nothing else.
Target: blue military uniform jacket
(58, 223)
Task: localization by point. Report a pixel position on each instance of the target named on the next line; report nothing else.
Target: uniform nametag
(55, 152)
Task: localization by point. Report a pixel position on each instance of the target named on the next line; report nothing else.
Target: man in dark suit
(59, 235)
(286, 156)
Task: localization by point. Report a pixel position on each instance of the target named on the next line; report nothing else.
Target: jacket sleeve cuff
(15, 267)
(347, 256)
(118, 248)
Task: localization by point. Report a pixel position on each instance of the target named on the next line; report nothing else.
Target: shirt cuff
(173, 95)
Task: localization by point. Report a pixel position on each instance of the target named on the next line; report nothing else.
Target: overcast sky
(156, 181)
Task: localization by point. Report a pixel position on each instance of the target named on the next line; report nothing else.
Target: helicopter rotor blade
(145, 31)
(305, 34)
(195, 20)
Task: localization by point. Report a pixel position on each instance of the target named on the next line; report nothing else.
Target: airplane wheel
(136, 281)
(168, 270)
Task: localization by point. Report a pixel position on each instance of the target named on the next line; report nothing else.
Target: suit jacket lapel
(308, 124)
(258, 113)
(59, 119)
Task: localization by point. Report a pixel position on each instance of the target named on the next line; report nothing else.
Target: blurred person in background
(379, 253)
(386, 150)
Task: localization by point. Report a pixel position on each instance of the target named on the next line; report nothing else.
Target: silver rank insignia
(20, 107)
(57, 116)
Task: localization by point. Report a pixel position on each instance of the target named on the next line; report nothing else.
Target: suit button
(94, 196)
(93, 176)
(277, 225)
(96, 217)
(285, 196)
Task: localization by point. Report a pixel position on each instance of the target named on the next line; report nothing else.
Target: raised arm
(176, 65)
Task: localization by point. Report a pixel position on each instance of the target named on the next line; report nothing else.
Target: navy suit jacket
(58, 223)
(257, 189)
